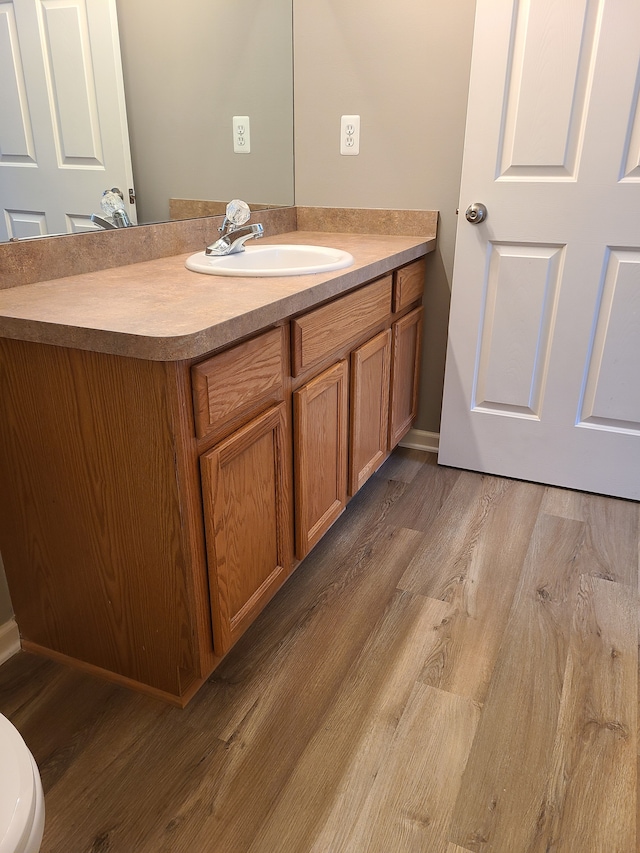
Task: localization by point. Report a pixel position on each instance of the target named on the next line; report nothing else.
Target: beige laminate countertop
(161, 311)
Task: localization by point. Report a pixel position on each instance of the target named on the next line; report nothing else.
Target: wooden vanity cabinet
(147, 507)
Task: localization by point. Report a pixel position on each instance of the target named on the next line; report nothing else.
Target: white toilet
(21, 797)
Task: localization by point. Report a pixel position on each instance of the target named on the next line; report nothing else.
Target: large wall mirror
(187, 70)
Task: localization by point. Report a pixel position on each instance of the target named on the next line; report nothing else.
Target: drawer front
(319, 333)
(233, 386)
(409, 284)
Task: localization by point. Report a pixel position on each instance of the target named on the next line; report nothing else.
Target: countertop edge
(201, 342)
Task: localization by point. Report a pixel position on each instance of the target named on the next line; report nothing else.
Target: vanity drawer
(319, 333)
(409, 284)
(233, 386)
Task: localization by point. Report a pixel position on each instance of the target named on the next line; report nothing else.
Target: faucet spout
(233, 241)
(103, 222)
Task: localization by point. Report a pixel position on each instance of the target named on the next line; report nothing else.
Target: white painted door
(543, 362)
(63, 125)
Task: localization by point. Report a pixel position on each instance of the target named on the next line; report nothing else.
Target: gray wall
(185, 76)
(404, 68)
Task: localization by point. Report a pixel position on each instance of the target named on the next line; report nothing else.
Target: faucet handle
(238, 212)
(112, 204)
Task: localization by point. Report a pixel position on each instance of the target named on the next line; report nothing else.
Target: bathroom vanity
(174, 444)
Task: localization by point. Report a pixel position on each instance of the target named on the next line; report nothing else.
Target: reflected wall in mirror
(186, 73)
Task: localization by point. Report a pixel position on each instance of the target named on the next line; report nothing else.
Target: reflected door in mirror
(63, 126)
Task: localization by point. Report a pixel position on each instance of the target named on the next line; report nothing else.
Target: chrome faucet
(233, 241)
(234, 231)
(103, 222)
(115, 216)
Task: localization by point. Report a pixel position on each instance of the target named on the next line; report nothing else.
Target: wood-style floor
(454, 668)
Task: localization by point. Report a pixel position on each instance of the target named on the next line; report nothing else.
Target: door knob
(476, 213)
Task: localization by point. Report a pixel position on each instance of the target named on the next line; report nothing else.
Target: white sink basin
(272, 260)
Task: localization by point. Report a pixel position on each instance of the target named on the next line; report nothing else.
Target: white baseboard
(9, 640)
(419, 439)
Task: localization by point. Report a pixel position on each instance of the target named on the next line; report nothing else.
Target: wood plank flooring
(453, 669)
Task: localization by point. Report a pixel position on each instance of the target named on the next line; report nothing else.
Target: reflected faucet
(102, 222)
(234, 231)
(115, 216)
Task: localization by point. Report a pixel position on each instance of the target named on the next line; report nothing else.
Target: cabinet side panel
(89, 517)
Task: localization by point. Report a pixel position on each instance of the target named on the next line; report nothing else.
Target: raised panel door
(543, 355)
(369, 407)
(246, 494)
(320, 454)
(405, 374)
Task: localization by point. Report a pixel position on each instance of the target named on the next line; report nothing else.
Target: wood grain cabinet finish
(408, 284)
(231, 387)
(147, 508)
(369, 409)
(246, 493)
(317, 334)
(97, 510)
(320, 454)
(405, 374)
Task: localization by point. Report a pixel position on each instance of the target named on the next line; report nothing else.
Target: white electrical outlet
(350, 135)
(241, 135)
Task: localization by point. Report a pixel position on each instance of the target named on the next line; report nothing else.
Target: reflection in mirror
(186, 74)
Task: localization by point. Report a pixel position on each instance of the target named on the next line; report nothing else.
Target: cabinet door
(320, 456)
(405, 374)
(246, 493)
(369, 408)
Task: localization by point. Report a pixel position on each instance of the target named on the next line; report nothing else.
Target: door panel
(71, 84)
(63, 128)
(550, 64)
(16, 135)
(610, 400)
(542, 360)
(517, 325)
